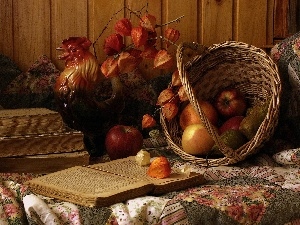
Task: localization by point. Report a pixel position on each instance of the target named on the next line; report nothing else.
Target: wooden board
(6, 28)
(43, 163)
(251, 22)
(30, 28)
(31, 31)
(67, 19)
(217, 21)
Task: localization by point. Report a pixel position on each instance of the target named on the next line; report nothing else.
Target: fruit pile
(234, 119)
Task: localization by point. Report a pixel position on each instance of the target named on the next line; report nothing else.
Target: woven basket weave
(228, 64)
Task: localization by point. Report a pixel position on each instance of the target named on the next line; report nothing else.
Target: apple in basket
(122, 141)
(190, 116)
(233, 123)
(230, 102)
(196, 140)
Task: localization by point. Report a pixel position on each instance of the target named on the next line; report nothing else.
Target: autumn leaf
(170, 110)
(176, 79)
(148, 21)
(149, 52)
(109, 67)
(163, 60)
(139, 36)
(123, 27)
(113, 44)
(127, 62)
(172, 35)
(148, 121)
(166, 95)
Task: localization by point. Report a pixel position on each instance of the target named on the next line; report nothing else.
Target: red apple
(232, 123)
(231, 102)
(122, 141)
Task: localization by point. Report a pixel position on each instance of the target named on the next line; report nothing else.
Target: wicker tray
(228, 64)
(29, 121)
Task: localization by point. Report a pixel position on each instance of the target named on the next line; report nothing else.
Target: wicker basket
(228, 64)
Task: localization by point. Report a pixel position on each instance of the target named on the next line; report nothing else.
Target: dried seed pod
(182, 94)
(110, 68)
(163, 60)
(123, 27)
(127, 63)
(159, 168)
(166, 95)
(113, 44)
(148, 121)
(148, 21)
(170, 110)
(172, 35)
(176, 79)
(139, 36)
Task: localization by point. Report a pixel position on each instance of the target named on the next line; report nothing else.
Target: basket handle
(182, 68)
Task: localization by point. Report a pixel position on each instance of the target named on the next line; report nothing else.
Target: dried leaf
(170, 110)
(163, 60)
(109, 67)
(123, 27)
(148, 121)
(176, 79)
(148, 21)
(139, 36)
(113, 44)
(166, 95)
(149, 52)
(127, 63)
(172, 35)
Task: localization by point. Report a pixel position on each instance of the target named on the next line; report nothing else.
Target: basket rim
(230, 156)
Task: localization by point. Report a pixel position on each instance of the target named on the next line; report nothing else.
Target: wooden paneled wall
(30, 28)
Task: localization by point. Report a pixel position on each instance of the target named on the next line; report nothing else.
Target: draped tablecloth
(259, 190)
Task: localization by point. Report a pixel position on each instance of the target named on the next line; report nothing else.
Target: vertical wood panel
(217, 21)
(100, 13)
(251, 22)
(281, 26)
(30, 28)
(6, 28)
(31, 31)
(187, 26)
(270, 28)
(68, 18)
(173, 9)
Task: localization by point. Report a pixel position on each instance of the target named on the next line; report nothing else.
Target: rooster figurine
(74, 93)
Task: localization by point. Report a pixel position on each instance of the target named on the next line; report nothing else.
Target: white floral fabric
(139, 211)
(288, 157)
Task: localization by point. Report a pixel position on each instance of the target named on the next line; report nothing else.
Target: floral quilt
(258, 191)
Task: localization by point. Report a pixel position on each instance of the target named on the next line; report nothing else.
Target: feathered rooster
(75, 94)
